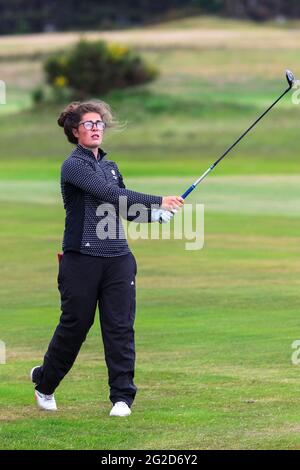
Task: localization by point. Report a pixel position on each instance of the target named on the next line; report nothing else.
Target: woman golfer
(97, 266)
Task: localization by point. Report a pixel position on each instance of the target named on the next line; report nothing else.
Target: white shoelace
(42, 395)
(49, 397)
(122, 403)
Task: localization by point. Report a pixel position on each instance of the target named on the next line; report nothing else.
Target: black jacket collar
(83, 151)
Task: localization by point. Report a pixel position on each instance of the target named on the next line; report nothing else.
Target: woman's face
(90, 132)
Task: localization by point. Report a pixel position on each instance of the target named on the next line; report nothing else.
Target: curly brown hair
(72, 115)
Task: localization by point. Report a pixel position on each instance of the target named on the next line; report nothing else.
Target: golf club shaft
(291, 80)
(193, 186)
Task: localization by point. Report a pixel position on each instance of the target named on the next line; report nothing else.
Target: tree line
(26, 16)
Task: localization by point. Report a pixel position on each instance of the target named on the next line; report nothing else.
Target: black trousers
(85, 281)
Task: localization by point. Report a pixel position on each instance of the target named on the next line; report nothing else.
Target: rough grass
(195, 32)
(165, 134)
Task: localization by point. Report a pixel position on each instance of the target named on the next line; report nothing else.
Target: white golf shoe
(120, 409)
(44, 402)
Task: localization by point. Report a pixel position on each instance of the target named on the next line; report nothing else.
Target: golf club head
(290, 78)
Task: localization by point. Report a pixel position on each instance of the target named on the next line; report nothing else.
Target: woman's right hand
(172, 202)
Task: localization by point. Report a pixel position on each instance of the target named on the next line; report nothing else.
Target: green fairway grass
(214, 327)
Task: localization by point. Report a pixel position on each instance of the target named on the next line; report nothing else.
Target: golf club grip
(188, 191)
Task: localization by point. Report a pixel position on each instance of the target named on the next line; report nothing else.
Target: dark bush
(93, 68)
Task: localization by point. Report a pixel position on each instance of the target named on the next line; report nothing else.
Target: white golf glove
(162, 214)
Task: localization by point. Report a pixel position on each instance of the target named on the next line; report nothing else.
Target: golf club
(291, 80)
